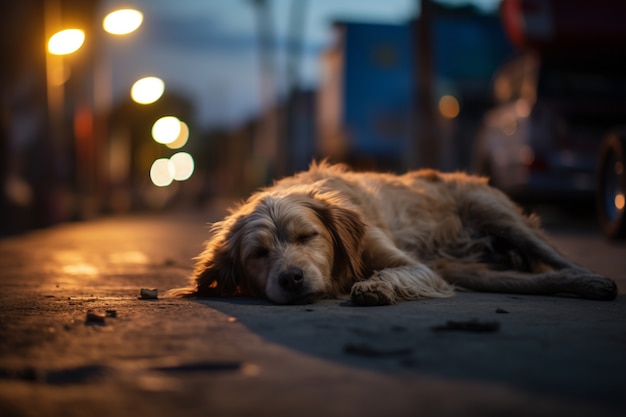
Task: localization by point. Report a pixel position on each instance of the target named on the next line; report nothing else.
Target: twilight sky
(208, 49)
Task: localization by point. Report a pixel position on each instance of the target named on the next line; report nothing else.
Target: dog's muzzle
(294, 288)
(291, 280)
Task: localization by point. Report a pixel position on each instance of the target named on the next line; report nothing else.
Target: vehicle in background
(555, 105)
(541, 140)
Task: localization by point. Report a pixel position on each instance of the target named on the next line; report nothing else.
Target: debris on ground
(94, 317)
(374, 352)
(148, 294)
(472, 325)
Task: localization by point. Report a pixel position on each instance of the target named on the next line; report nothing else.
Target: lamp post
(90, 121)
(57, 74)
(116, 23)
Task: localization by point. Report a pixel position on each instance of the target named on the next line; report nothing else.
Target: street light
(183, 166)
(66, 41)
(182, 138)
(162, 172)
(147, 90)
(122, 22)
(166, 129)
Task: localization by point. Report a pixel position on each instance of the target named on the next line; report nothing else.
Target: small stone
(148, 294)
(94, 318)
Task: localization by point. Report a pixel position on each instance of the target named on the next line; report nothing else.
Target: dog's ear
(217, 272)
(347, 230)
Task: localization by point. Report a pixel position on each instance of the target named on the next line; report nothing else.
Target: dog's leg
(390, 285)
(479, 277)
(501, 218)
(395, 276)
(491, 213)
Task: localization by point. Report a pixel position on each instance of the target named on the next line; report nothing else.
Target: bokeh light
(449, 107)
(66, 41)
(183, 166)
(182, 138)
(620, 201)
(122, 22)
(166, 129)
(147, 90)
(162, 172)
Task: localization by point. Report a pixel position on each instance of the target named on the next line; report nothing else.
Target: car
(540, 142)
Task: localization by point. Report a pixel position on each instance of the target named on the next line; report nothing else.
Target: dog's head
(291, 247)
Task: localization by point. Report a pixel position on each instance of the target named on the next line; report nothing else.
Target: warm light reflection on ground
(73, 268)
(80, 269)
(129, 257)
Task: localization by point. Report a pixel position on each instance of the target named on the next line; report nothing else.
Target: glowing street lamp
(179, 167)
(183, 166)
(182, 138)
(162, 172)
(122, 22)
(166, 129)
(449, 107)
(66, 41)
(147, 90)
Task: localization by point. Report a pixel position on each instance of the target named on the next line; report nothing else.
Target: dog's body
(383, 238)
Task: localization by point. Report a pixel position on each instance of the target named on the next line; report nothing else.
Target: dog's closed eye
(260, 253)
(305, 237)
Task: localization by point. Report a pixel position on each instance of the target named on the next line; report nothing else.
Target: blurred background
(122, 106)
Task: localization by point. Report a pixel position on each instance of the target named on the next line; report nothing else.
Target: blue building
(367, 105)
(365, 101)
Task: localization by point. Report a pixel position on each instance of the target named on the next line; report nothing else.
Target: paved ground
(549, 356)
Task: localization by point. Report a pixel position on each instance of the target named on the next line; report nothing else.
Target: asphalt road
(76, 341)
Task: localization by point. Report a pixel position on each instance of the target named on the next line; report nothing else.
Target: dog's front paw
(372, 293)
(598, 287)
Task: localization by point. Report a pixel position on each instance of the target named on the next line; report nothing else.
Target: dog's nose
(291, 279)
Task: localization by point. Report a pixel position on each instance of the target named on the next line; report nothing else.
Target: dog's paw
(372, 293)
(597, 287)
(586, 284)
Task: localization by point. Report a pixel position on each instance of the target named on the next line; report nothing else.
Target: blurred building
(302, 128)
(365, 105)
(67, 152)
(129, 150)
(46, 114)
(278, 142)
(368, 108)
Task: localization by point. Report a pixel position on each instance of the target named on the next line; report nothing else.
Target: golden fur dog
(382, 238)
